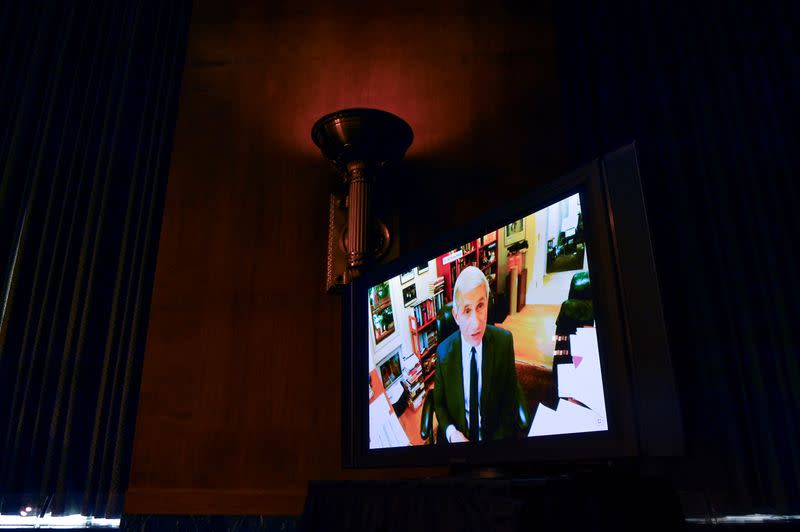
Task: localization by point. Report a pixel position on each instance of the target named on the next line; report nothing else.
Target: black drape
(89, 95)
(709, 91)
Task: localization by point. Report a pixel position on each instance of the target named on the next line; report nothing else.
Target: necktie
(473, 397)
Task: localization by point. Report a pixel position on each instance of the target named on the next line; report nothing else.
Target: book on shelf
(438, 284)
(429, 365)
(413, 377)
(426, 365)
(438, 300)
(437, 289)
(427, 340)
(416, 387)
(488, 256)
(414, 374)
(432, 337)
(424, 312)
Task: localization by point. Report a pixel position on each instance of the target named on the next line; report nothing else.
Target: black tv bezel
(626, 436)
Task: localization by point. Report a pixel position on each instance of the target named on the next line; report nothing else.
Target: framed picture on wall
(515, 231)
(380, 306)
(406, 277)
(422, 268)
(409, 294)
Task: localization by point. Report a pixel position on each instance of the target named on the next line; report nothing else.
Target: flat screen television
(533, 335)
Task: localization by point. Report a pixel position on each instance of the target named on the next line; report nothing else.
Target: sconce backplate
(338, 270)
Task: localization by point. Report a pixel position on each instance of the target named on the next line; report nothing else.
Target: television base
(579, 501)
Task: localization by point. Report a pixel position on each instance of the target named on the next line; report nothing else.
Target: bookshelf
(481, 252)
(424, 335)
(487, 258)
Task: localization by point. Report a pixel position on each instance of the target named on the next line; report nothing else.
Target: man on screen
(475, 395)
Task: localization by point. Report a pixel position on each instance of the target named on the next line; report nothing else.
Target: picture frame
(515, 231)
(380, 307)
(409, 295)
(390, 369)
(422, 268)
(407, 276)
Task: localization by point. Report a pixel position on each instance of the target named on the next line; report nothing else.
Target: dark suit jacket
(499, 390)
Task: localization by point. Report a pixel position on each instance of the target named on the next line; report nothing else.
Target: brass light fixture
(359, 143)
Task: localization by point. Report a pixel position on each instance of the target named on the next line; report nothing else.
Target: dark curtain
(709, 91)
(89, 96)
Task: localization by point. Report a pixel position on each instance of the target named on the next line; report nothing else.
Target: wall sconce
(359, 143)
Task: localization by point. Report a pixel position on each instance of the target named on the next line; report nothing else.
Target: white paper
(576, 418)
(567, 418)
(582, 380)
(545, 422)
(385, 429)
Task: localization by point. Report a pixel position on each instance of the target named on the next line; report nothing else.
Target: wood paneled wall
(240, 392)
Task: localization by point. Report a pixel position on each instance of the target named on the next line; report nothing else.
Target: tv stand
(556, 470)
(580, 500)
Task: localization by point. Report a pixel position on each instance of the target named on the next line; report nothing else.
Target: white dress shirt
(466, 357)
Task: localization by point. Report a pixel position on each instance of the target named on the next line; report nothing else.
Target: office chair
(576, 311)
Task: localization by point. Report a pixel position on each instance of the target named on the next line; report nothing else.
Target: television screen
(533, 334)
(520, 296)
